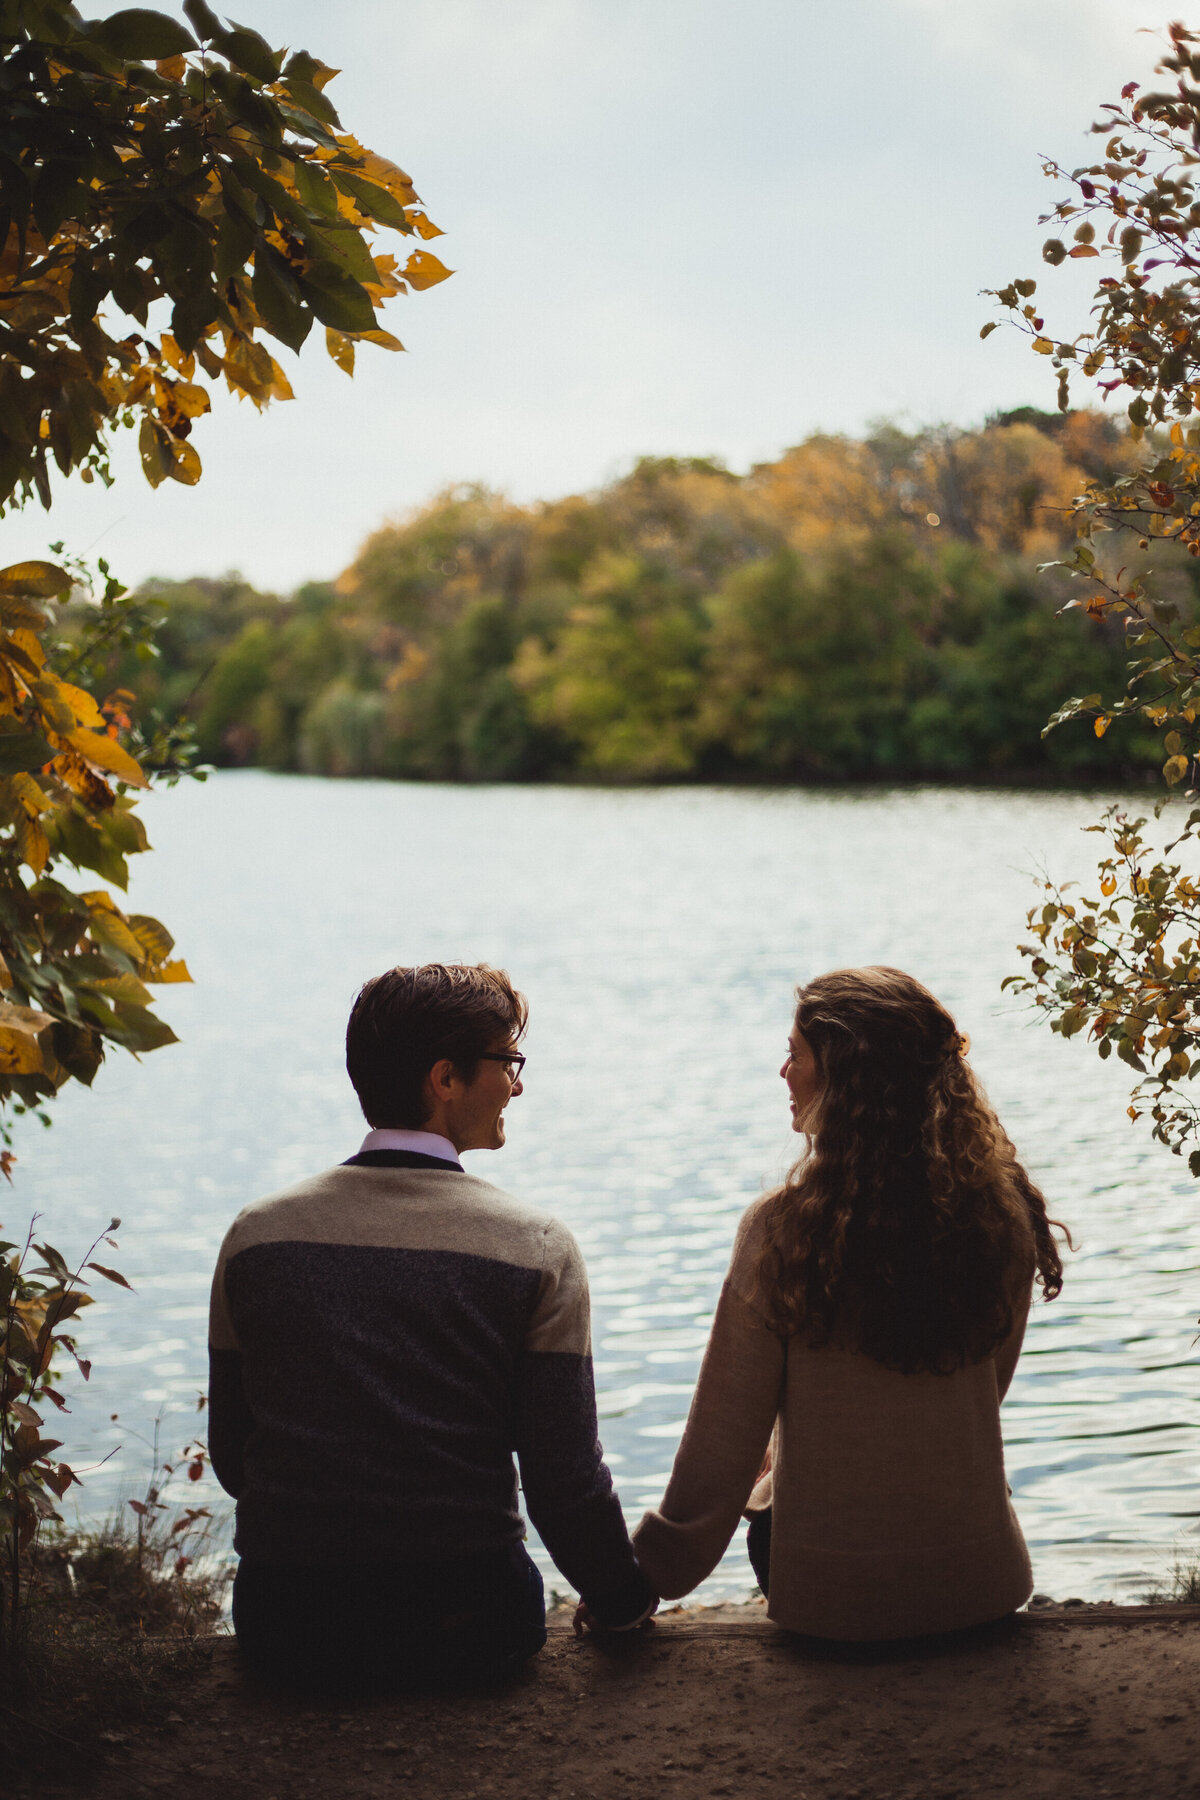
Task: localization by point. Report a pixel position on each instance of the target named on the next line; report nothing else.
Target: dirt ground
(1060, 1703)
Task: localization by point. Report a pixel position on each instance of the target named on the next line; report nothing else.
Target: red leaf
(110, 1275)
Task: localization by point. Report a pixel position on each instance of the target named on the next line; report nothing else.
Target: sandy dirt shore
(1063, 1703)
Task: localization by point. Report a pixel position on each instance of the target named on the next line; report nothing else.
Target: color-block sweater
(383, 1338)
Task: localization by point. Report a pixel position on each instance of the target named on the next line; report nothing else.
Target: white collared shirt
(424, 1143)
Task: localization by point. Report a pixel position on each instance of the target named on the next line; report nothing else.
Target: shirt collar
(424, 1143)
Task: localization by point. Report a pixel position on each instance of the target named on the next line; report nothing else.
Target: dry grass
(1182, 1587)
(118, 1618)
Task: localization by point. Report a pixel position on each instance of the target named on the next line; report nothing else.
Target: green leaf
(306, 95)
(206, 22)
(84, 845)
(138, 34)
(249, 52)
(235, 240)
(374, 201)
(1131, 243)
(142, 1030)
(23, 751)
(337, 300)
(306, 126)
(315, 188)
(277, 298)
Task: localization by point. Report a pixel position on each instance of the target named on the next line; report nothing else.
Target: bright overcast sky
(679, 227)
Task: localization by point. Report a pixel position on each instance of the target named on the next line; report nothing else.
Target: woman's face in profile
(803, 1078)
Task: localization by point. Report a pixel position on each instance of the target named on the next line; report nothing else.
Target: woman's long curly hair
(907, 1229)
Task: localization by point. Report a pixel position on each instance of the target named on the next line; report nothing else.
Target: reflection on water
(658, 935)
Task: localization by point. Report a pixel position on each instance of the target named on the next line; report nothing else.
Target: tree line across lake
(857, 609)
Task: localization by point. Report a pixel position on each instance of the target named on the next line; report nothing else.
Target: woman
(867, 1332)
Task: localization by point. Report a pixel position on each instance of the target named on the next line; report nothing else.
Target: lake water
(659, 935)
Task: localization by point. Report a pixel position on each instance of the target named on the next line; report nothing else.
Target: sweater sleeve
(568, 1489)
(728, 1429)
(229, 1417)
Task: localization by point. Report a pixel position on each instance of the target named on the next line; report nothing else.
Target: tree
(205, 181)
(140, 171)
(1125, 963)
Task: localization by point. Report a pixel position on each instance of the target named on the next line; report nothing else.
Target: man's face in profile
(474, 1111)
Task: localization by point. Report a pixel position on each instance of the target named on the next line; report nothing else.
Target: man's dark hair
(408, 1019)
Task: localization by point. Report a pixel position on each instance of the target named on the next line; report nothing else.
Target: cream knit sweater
(890, 1510)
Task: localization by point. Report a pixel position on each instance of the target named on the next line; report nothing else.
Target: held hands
(585, 1621)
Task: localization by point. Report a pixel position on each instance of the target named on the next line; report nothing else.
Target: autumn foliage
(856, 608)
(205, 180)
(1122, 961)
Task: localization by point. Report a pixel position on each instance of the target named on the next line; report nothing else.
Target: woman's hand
(583, 1621)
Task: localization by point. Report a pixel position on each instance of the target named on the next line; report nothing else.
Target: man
(384, 1337)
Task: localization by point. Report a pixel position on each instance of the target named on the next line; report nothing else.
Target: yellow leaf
(110, 928)
(58, 713)
(388, 174)
(424, 270)
(172, 68)
(425, 225)
(29, 642)
(30, 793)
(1175, 768)
(178, 359)
(169, 971)
(34, 580)
(105, 753)
(185, 464)
(33, 846)
(1043, 346)
(384, 339)
(191, 399)
(1108, 885)
(341, 348)
(1101, 726)
(86, 710)
(155, 940)
(124, 987)
(1084, 250)
(25, 1039)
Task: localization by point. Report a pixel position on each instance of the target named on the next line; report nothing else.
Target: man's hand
(585, 1621)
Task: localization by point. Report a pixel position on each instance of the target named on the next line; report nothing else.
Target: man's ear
(441, 1079)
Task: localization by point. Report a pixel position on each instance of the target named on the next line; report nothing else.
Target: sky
(678, 228)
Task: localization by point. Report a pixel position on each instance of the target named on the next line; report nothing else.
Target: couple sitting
(387, 1335)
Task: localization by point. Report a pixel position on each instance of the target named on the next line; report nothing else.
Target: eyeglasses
(513, 1061)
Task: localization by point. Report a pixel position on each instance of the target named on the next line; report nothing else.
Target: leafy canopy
(141, 168)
